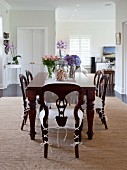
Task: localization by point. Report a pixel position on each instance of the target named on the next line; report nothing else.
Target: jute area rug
(107, 150)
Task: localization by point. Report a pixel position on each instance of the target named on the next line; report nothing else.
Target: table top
(41, 79)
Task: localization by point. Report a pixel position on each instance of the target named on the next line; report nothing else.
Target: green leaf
(18, 56)
(15, 58)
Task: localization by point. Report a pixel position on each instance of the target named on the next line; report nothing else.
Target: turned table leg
(90, 113)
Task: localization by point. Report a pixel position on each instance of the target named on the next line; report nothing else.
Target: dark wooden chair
(111, 75)
(100, 98)
(29, 76)
(24, 83)
(101, 82)
(61, 90)
(97, 76)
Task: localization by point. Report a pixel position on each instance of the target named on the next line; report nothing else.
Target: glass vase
(72, 71)
(60, 54)
(50, 71)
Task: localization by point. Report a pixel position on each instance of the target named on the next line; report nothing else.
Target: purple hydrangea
(72, 60)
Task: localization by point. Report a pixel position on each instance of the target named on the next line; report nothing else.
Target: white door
(31, 45)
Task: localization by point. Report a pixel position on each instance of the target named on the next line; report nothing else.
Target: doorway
(32, 44)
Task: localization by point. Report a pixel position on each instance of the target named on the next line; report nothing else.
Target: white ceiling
(69, 9)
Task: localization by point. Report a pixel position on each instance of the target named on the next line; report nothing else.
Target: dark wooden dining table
(34, 89)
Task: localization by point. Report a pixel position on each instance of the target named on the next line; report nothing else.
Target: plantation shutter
(80, 45)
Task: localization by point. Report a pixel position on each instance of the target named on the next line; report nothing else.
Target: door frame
(124, 79)
(45, 29)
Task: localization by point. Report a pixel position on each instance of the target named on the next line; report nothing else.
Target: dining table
(34, 89)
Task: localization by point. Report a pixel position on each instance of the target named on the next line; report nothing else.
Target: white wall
(33, 18)
(24, 19)
(102, 33)
(121, 71)
(4, 13)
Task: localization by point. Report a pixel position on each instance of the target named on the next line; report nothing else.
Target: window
(1, 34)
(80, 45)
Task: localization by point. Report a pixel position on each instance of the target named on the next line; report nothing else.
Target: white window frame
(85, 52)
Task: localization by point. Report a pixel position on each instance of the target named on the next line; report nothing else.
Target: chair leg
(45, 138)
(23, 123)
(76, 151)
(25, 117)
(46, 150)
(102, 117)
(77, 138)
(80, 132)
(98, 111)
(42, 133)
(24, 120)
(104, 120)
(105, 123)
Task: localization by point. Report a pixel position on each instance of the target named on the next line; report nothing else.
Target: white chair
(81, 69)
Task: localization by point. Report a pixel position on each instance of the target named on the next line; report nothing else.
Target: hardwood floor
(11, 91)
(15, 90)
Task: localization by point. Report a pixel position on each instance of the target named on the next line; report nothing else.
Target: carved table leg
(90, 113)
(32, 114)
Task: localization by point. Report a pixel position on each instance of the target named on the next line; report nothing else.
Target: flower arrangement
(61, 45)
(72, 60)
(49, 61)
(12, 49)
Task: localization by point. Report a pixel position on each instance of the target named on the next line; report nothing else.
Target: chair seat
(98, 103)
(81, 69)
(70, 124)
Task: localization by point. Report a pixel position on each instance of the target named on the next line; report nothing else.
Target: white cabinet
(12, 72)
(102, 65)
